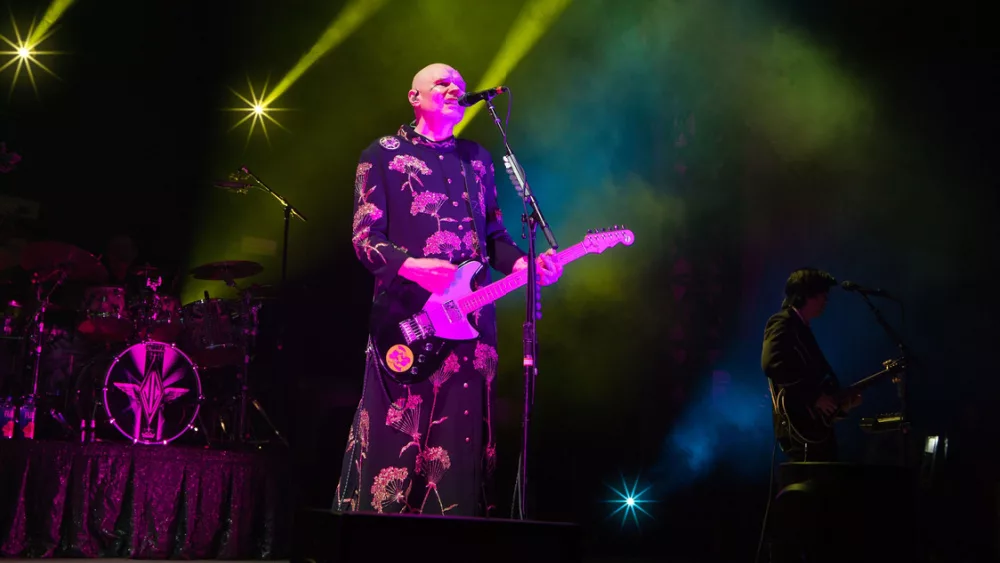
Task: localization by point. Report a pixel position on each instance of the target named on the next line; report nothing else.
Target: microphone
(472, 98)
(851, 286)
(236, 182)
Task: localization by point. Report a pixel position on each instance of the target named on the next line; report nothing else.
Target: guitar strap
(462, 158)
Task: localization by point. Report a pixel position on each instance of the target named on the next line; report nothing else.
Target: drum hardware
(243, 316)
(245, 396)
(37, 333)
(105, 314)
(157, 316)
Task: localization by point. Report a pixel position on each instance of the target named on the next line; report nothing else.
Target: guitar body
(805, 423)
(809, 425)
(413, 330)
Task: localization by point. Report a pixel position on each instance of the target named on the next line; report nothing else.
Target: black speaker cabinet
(326, 536)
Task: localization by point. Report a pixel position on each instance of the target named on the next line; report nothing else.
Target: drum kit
(144, 384)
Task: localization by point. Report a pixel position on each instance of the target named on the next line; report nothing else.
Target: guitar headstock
(599, 240)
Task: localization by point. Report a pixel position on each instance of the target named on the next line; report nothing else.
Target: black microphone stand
(530, 219)
(289, 212)
(907, 357)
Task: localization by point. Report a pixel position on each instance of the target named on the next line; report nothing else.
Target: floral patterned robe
(428, 447)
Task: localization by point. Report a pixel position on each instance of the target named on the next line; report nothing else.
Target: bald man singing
(424, 202)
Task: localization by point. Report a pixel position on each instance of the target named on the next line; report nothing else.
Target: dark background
(130, 137)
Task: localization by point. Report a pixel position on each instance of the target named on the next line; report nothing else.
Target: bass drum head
(152, 393)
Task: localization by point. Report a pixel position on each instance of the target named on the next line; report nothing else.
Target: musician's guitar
(809, 425)
(413, 330)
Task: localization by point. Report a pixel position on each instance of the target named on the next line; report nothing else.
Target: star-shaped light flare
(257, 110)
(25, 53)
(629, 502)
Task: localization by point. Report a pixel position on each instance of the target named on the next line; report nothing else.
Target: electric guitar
(413, 330)
(808, 424)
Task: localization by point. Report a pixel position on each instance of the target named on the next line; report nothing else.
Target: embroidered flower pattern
(445, 243)
(391, 487)
(432, 463)
(361, 181)
(429, 203)
(486, 363)
(357, 439)
(471, 242)
(479, 169)
(404, 415)
(365, 216)
(449, 368)
(412, 167)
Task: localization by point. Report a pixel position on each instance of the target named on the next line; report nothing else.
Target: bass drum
(152, 393)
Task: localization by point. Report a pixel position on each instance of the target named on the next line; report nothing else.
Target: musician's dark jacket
(792, 360)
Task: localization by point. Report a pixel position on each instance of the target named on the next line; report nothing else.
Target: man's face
(435, 94)
(815, 306)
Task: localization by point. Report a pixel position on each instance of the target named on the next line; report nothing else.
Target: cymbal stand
(38, 334)
(250, 322)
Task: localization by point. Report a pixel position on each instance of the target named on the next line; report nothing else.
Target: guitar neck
(864, 383)
(486, 295)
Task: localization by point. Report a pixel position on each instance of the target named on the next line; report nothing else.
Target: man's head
(434, 95)
(120, 254)
(807, 289)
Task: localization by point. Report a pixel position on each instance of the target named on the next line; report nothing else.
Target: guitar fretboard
(486, 295)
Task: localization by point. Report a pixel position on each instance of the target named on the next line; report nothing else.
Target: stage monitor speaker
(845, 511)
(326, 536)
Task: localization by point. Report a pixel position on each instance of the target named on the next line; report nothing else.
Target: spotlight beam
(52, 15)
(351, 16)
(535, 18)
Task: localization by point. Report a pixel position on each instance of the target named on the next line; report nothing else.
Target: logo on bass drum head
(399, 358)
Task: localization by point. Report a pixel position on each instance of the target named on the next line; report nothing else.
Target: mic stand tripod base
(245, 398)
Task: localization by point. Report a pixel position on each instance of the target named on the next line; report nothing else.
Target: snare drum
(211, 332)
(105, 314)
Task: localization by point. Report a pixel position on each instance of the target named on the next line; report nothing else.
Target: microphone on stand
(474, 98)
(851, 286)
(236, 182)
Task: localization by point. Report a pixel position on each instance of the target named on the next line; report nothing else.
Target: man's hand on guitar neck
(549, 270)
(851, 401)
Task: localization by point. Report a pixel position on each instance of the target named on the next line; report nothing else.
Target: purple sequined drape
(113, 500)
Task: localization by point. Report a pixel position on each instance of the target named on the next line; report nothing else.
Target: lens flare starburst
(257, 110)
(629, 501)
(24, 53)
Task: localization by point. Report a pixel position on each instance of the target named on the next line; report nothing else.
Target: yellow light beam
(25, 54)
(257, 110)
(350, 18)
(535, 17)
(52, 15)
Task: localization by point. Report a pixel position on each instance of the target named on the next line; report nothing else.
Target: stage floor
(586, 560)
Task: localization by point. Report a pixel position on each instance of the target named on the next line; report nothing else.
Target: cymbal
(48, 257)
(227, 270)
